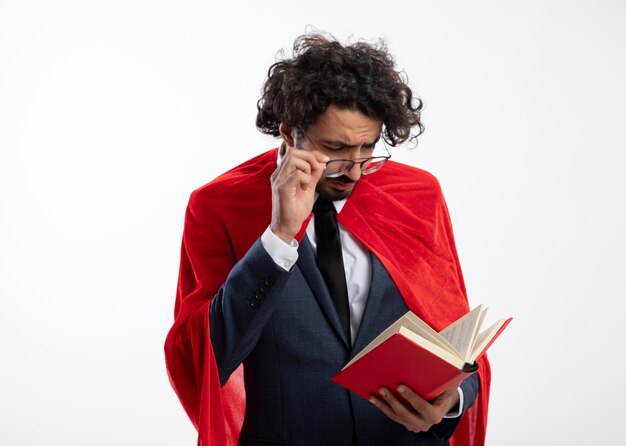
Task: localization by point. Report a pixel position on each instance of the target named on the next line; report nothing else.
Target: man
(293, 296)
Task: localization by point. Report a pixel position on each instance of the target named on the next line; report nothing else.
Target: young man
(295, 260)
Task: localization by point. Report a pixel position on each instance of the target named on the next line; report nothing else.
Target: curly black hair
(360, 76)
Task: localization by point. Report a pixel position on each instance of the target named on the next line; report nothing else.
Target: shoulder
(401, 179)
(231, 212)
(247, 180)
(399, 189)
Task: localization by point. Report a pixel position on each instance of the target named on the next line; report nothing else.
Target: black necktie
(330, 259)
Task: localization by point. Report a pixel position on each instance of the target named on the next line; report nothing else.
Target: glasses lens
(372, 165)
(337, 168)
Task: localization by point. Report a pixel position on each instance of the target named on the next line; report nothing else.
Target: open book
(410, 352)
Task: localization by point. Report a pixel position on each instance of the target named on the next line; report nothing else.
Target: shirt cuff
(457, 410)
(283, 254)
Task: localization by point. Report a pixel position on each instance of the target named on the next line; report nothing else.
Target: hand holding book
(410, 352)
(419, 415)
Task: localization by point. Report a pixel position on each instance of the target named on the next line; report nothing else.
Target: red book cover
(399, 360)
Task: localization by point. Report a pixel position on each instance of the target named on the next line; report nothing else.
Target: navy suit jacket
(284, 328)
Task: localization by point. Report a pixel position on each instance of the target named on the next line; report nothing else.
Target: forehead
(349, 126)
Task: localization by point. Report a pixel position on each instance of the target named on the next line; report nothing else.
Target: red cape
(398, 213)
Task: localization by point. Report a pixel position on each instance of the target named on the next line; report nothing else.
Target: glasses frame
(360, 161)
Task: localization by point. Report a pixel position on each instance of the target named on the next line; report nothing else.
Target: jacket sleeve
(242, 307)
(210, 271)
(447, 426)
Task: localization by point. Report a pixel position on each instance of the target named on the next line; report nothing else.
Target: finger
(295, 179)
(295, 163)
(384, 408)
(321, 158)
(314, 154)
(300, 164)
(315, 159)
(316, 163)
(304, 164)
(407, 417)
(304, 179)
(451, 393)
(447, 400)
(428, 412)
(417, 402)
(399, 413)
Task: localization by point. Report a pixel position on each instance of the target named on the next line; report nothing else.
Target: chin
(333, 194)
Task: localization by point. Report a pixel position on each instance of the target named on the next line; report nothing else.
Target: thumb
(316, 174)
(446, 398)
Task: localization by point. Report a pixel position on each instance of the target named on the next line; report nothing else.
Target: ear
(288, 134)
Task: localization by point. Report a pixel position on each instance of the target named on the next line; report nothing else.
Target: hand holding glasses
(336, 168)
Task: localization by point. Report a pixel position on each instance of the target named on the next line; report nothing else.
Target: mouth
(341, 185)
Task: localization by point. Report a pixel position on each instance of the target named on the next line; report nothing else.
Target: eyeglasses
(340, 167)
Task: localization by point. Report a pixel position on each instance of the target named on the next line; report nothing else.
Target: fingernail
(383, 392)
(401, 389)
(373, 401)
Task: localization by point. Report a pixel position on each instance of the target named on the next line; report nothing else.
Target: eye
(335, 148)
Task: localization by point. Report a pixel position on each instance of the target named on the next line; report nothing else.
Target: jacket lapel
(308, 267)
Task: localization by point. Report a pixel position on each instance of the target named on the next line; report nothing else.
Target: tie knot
(322, 205)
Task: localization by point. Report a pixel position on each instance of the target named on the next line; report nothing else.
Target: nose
(355, 173)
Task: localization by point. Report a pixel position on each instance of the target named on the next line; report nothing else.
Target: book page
(400, 329)
(418, 326)
(462, 332)
(409, 321)
(436, 349)
(486, 337)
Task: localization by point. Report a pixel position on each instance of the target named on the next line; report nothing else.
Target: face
(341, 134)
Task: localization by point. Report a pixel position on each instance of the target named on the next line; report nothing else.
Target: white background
(112, 112)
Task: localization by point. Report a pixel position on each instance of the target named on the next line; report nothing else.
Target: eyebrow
(343, 144)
